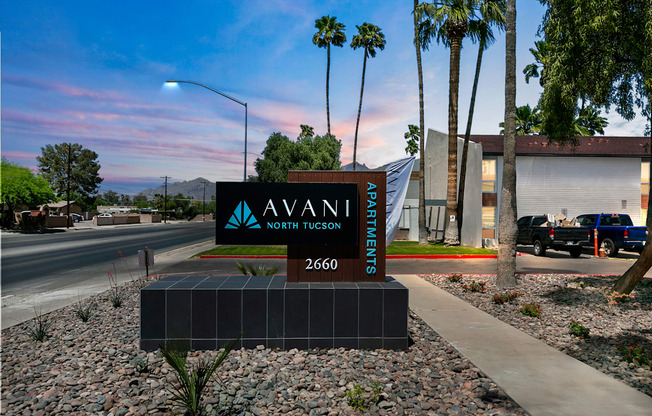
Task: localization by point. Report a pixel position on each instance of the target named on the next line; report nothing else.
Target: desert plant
(454, 278)
(142, 364)
(579, 330)
(116, 296)
(531, 309)
(39, 329)
(614, 298)
(475, 287)
(355, 398)
(634, 354)
(126, 265)
(84, 310)
(191, 385)
(505, 297)
(258, 270)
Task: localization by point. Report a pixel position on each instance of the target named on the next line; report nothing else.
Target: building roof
(59, 204)
(492, 145)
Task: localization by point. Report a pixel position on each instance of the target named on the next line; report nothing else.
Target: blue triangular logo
(242, 218)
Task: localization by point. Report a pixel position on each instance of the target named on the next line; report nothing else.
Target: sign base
(204, 312)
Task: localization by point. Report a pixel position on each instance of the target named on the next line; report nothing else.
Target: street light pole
(232, 99)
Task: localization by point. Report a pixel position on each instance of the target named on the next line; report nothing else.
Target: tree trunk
(357, 123)
(423, 233)
(635, 273)
(328, 72)
(507, 229)
(465, 151)
(452, 237)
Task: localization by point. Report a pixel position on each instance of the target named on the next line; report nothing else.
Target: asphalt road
(34, 262)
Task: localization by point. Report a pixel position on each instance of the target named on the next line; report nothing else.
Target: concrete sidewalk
(538, 377)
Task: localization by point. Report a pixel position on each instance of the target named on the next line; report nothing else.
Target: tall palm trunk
(328, 72)
(635, 273)
(452, 234)
(357, 123)
(423, 233)
(465, 150)
(507, 229)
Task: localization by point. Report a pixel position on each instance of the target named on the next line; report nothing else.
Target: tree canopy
(84, 168)
(21, 188)
(306, 153)
(596, 52)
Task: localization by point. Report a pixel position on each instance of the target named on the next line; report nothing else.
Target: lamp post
(232, 99)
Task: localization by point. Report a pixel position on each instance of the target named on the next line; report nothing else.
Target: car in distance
(76, 217)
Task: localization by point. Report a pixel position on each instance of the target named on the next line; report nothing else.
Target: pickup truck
(534, 230)
(616, 231)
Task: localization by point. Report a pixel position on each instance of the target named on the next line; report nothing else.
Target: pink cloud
(46, 85)
(16, 154)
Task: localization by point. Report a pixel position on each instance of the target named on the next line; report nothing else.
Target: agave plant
(258, 270)
(190, 386)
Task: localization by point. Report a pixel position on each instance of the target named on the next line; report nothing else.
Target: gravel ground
(564, 298)
(95, 367)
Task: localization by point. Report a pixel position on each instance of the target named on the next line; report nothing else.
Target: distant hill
(358, 166)
(193, 188)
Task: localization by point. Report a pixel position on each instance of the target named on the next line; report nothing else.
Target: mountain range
(193, 188)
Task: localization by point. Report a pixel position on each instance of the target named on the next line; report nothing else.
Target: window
(538, 221)
(489, 175)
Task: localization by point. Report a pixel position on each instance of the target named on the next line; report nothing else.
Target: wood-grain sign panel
(364, 262)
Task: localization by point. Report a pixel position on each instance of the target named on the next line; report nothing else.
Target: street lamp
(232, 99)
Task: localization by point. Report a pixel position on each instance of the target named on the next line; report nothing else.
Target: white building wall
(580, 185)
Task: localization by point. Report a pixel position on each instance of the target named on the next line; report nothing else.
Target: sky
(94, 72)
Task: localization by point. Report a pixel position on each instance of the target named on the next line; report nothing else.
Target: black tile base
(204, 312)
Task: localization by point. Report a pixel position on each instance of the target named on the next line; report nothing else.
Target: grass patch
(397, 247)
(237, 250)
(413, 247)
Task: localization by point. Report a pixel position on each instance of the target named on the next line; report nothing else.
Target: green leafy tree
(21, 188)
(589, 122)
(329, 32)
(70, 164)
(412, 137)
(140, 201)
(307, 153)
(369, 38)
(110, 198)
(507, 229)
(449, 22)
(599, 53)
(492, 14)
(306, 131)
(423, 233)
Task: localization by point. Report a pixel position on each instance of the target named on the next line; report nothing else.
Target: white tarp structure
(398, 178)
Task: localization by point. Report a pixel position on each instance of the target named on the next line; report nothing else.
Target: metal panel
(579, 185)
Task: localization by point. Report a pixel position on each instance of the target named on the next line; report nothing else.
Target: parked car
(76, 217)
(535, 230)
(616, 231)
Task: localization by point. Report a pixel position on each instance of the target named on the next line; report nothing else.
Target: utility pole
(68, 191)
(203, 203)
(165, 200)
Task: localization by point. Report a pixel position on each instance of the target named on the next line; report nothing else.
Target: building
(600, 174)
(61, 208)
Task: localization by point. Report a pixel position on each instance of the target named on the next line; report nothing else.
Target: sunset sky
(93, 73)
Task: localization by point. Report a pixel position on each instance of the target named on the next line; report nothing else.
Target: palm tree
(536, 69)
(369, 37)
(528, 121)
(588, 122)
(492, 13)
(329, 31)
(507, 229)
(423, 233)
(448, 22)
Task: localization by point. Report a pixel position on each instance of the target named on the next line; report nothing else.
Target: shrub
(634, 354)
(505, 297)
(578, 330)
(358, 400)
(191, 385)
(531, 309)
(454, 278)
(614, 298)
(39, 329)
(475, 287)
(116, 296)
